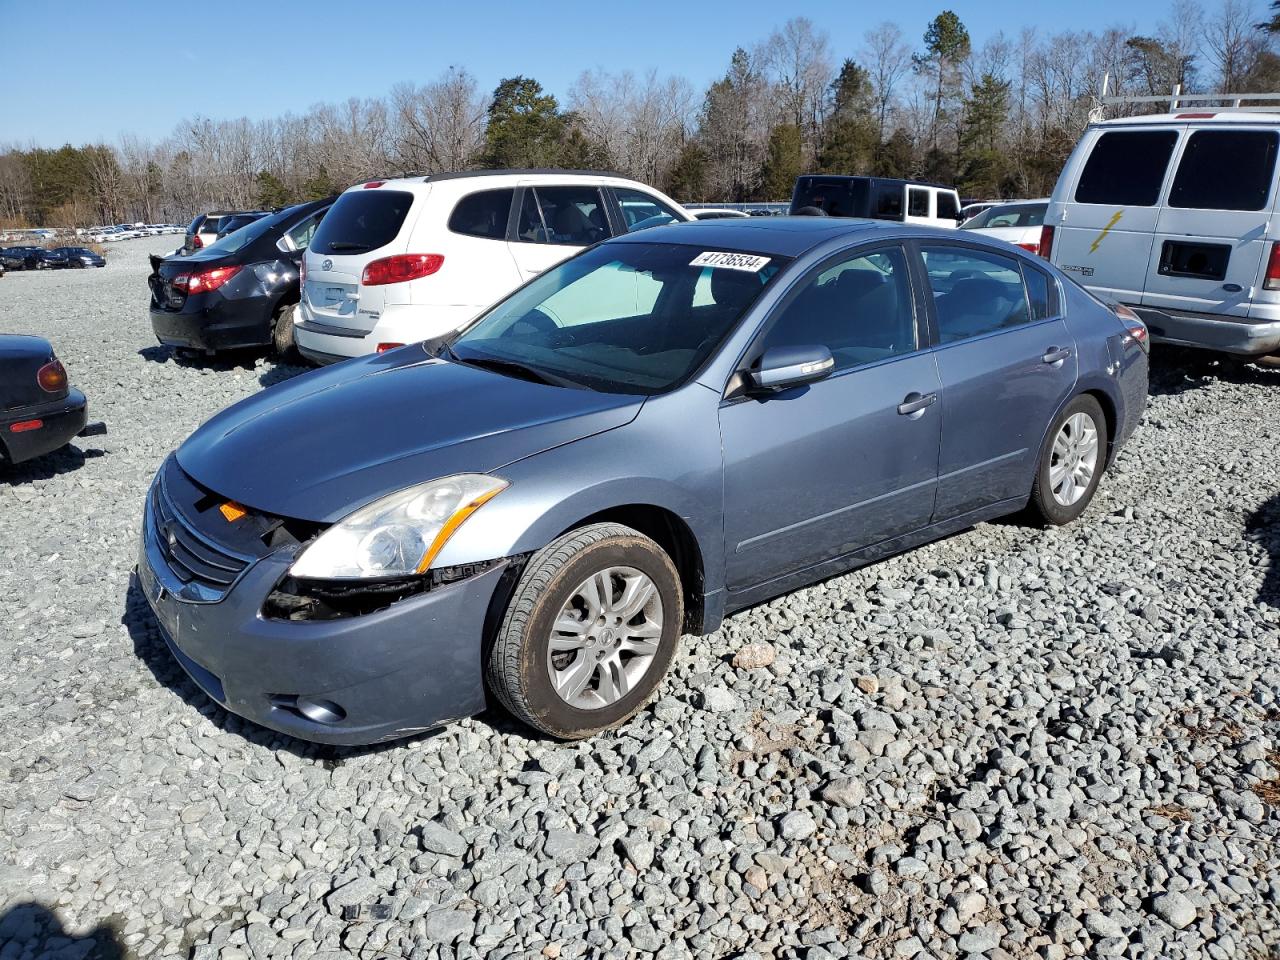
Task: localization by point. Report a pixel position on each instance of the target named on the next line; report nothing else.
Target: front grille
(192, 558)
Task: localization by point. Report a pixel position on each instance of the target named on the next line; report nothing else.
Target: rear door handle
(1056, 355)
(914, 404)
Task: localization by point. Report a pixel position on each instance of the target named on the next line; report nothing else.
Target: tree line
(996, 119)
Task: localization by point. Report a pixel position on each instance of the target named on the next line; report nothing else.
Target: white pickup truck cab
(1175, 215)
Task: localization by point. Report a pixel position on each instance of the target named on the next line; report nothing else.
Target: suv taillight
(1046, 241)
(205, 280)
(1272, 281)
(196, 242)
(402, 267)
(52, 377)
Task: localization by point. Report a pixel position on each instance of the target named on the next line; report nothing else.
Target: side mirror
(782, 368)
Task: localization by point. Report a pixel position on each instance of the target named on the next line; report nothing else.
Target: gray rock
(1174, 909)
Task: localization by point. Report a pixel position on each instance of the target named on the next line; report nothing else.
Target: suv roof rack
(1176, 100)
(459, 174)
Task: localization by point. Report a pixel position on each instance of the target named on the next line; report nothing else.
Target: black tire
(1044, 505)
(282, 334)
(517, 661)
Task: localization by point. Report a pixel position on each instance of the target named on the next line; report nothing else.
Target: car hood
(323, 444)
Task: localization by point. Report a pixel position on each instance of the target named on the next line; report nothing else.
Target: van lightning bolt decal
(1105, 230)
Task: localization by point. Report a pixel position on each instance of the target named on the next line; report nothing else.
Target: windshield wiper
(515, 369)
(336, 245)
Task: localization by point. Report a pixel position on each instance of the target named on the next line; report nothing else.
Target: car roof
(1194, 117)
(464, 181)
(783, 236)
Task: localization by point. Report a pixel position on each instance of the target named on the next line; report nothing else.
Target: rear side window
(917, 202)
(570, 215)
(837, 197)
(888, 202)
(1225, 170)
(208, 225)
(1126, 168)
(1038, 293)
(362, 220)
(975, 292)
(483, 214)
(948, 206)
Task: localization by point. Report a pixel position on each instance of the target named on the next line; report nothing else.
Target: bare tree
(888, 58)
(640, 123)
(1232, 42)
(797, 58)
(439, 126)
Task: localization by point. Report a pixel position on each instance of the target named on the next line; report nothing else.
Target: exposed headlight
(399, 535)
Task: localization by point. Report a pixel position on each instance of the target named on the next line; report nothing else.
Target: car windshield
(621, 317)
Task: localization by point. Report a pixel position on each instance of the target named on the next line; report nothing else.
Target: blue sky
(95, 70)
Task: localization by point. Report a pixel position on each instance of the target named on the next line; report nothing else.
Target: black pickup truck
(39, 411)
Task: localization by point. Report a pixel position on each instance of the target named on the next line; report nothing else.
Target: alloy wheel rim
(605, 638)
(1074, 459)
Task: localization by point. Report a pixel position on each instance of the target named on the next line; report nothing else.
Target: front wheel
(1071, 464)
(589, 632)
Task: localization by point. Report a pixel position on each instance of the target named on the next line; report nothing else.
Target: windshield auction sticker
(730, 261)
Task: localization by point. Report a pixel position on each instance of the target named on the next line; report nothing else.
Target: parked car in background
(27, 258)
(673, 425)
(715, 213)
(79, 257)
(240, 291)
(1018, 222)
(971, 208)
(398, 261)
(237, 220)
(39, 411)
(876, 198)
(203, 230)
(1175, 215)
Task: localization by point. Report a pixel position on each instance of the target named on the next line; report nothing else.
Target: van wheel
(589, 632)
(282, 334)
(1071, 462)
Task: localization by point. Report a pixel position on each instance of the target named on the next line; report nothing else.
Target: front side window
(641, 210)
(917, 202)
(1126, 168)
(483, 214)
(1225, 170)
(620, 318)
(975, 292)
(860, 309)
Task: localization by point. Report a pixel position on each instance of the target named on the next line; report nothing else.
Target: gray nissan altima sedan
(668, 427)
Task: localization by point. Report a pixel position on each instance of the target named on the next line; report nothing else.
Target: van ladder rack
(1177, 100)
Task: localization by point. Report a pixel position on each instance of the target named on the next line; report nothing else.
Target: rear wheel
(589, 633)
(1071, 463)
(282, 333)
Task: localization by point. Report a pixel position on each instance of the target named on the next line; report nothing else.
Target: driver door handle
(914, 404)
(1056, 355)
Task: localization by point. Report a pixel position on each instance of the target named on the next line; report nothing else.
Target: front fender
(668, 457)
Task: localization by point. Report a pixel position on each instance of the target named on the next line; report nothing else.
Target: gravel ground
(1015, 743)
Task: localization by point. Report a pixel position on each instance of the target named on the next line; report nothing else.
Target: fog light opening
(321, 711)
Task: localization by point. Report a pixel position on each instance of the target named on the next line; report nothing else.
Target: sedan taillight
(52, 377)
(205, 280)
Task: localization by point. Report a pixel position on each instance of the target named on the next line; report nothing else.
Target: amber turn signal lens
(231, 511)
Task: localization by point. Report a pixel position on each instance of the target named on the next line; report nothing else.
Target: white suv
(399, 261)
(1178, 217)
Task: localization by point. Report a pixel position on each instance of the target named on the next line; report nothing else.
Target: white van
(399, 261)
(1175, 215)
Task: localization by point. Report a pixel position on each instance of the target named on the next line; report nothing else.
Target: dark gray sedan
(664, 429)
